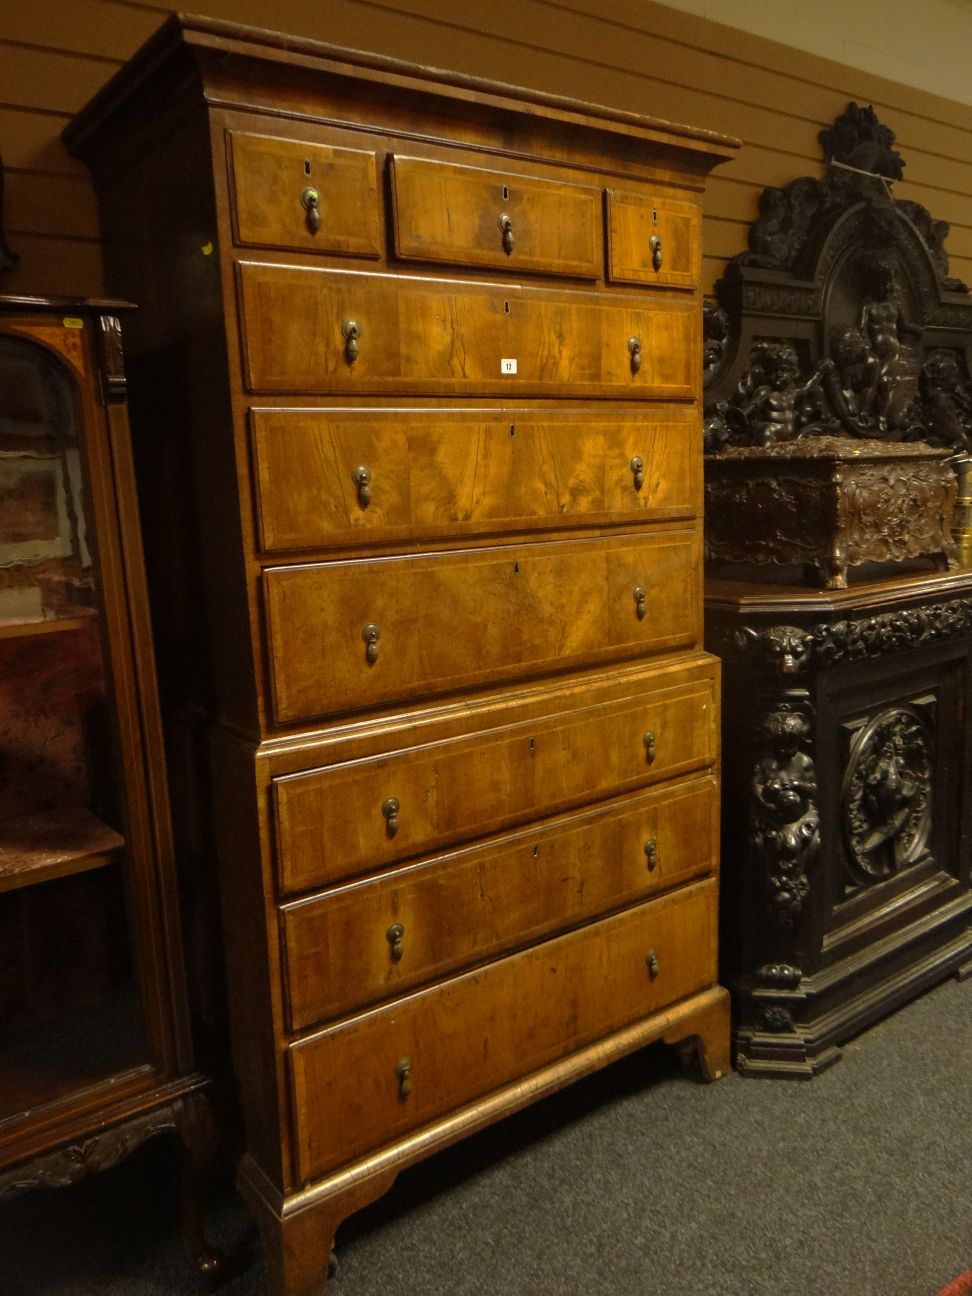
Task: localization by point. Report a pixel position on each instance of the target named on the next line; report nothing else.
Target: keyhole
(512, 429)
(536, 852)
(506, 193)
(516, 567)
(654, 216)
(306, 166)
(533, 744)
(506, 307)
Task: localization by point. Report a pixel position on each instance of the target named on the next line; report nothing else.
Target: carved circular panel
(887, 794)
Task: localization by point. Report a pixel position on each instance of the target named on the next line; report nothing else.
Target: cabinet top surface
(224, 51)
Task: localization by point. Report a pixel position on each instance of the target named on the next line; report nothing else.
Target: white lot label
(507, 366)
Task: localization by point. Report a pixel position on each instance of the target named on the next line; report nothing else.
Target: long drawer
(349, 635)
(342, 331)
(334, 476)
(361, 815)
(365, 1082)
(466, 215)
(376, 939)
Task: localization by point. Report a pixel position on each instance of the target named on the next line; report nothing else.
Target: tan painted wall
(644, 57)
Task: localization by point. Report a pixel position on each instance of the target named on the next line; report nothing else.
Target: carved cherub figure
(770, 401)
(947, 400)
(884, 326)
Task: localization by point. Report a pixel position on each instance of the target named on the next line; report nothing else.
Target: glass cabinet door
(70, 1015)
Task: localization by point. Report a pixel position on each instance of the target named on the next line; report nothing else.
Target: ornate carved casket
(837, 373)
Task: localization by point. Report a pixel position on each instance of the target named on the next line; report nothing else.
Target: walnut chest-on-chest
(415, 384)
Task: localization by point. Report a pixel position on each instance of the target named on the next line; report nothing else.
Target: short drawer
(349, 635)
(342, 332)
(376, 939)
(310, 197)
(335, 476)
(464, 215)
(362, 815)
(652, 240)
(366, 1082)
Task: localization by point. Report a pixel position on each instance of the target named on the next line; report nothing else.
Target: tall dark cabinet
(95, 1055)
(838, 410)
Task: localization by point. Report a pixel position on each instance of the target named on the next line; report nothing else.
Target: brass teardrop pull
(634, 350)
(310, 200)
(655, 247)
(649, 741)
(352, 332)
(651, 853)
(395, 936)
(403, 1070)
(651, 958)
(505, 223)
(361, 476)
(637, 467)
(390, 808)
(371, 634)
(641, 602)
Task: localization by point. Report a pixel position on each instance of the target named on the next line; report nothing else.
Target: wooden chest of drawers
(415, 387)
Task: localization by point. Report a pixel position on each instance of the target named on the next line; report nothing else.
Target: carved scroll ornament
(785, 823)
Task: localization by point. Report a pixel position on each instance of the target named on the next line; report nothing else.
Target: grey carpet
(637, 1182)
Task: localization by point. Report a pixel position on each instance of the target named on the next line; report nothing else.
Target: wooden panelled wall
(54, 54)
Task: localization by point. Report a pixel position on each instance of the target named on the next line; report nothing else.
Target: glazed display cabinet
(94, 1041)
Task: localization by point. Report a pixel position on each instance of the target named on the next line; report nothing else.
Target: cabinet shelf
(51, 844)
(55, 625)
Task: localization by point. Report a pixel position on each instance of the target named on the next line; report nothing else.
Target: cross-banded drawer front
(330, 477)
(361, 815)
(463, 215)
(375, 939)
(342, 331)
(402, 1066)
(652, 240)
(310, 197)
(345, 635)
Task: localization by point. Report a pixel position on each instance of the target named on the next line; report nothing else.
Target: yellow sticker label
(72, 321)
(207, 249)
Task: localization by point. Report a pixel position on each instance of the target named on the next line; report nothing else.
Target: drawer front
(465, 1037)
(363, 815)
(342, 331)
(334, 477)
(634, 221)
(310, 197)
(376, 939)
(349, 635)
(461, 215)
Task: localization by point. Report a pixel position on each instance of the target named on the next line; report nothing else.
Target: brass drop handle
(637, 467)
(361, 476)
(395, 935)
(641, 602)
(310, 200)
(371, 634)
(390, 808)
(403, 1070)
(649, 741)
(655, 247)
(651, 853)
(505, 223)
(352, 332)
(634, 350)
(651, 958)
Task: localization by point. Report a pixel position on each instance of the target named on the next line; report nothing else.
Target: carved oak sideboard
(847, 789)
